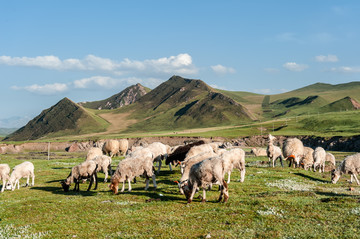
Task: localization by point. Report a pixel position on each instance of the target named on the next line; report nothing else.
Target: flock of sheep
(202, 165)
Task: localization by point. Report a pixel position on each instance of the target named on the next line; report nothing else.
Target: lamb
(330, 158)
(85, 170)
(93, 152)
(350, 165)
(234, 158)
(319, 159)
(113, 147)
(23, 170)
(4, 175)
(103, 163)
(273, 152)
(130, 168)
(293, 150)
(204, 174)
(159, 151)
(179, 154)
(308, 160)
(258, 152)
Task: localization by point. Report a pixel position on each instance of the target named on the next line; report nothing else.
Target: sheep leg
(96, 180)
(27, 181)
(147, 182)
(123, 187)
(3, 185)
(242, 174)
(170, 167)
(269, 162)
(226, 192)
(221, 188)
(91, 182)
(204, 195)
(229, 173)
(357, 181)
(129, 182)
(159, 164)
(281, 161)
(32, 180)
(192, 192)
(154, 180)
(106, 176)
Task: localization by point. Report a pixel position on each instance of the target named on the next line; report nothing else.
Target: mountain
(125, 97)
(343, 104)
(6, 131)
(186, 103)
(64, 118)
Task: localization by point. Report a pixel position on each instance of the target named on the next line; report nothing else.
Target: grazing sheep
(204, 174)
(159, 151)
(293, 150)
(23, 170)
(93, 152)
(4, 175)
(319, 159)
(234, 158)
(308, 160)
(85, 170)
(111, 147)
(130, 168)
(274, 152)
(103, 163)
(123, 146)
(179, 154)
(258, 152)
(196, 150)
(330, 158)
(350, 165)
(187, 164)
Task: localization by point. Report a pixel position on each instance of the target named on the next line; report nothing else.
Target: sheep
(196, 150)
(130, 168)
(103, 163)
(258, 152)
(85, 170)
(4, 175)
(204, 174)
(113, 147)
(293, 150)
(350, 165)
(234, 158)
(93, 152)
(123, 146)
(159, 151)
(307, 160)
(273, 152)
(330, 158)
(23, 170)
(319, 159)
(179, 154)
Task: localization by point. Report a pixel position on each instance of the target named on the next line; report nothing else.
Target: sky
(90, 50)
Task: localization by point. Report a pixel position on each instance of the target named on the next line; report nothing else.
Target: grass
(266, 205)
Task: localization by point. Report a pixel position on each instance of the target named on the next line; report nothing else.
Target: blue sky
(90, 50)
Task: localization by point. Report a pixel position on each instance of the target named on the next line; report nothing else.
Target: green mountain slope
(64, 118)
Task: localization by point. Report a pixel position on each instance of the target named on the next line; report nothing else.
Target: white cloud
(220, 69)
(47, 89)
(180, 64)
(96, 81)
(292, 66)
(328, 58)
(346, 69)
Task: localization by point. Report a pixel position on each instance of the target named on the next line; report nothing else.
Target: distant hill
(64, 118)
(343, 104)
(125, 97)
(6, 131)
(186, 103)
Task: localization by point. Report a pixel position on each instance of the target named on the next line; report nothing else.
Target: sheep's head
(335, 175)
(65, 186)
(114, 186)
(8, 186)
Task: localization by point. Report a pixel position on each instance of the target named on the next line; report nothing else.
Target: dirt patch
(118, 122)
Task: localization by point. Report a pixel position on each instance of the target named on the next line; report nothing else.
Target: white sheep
(93, 152)
(319, 159)
(273, 152)
(111, 147)
(307, 160)
(293, 150)
(4, 175)
(198, 150)
(160, 151)
(234, 158)
(123, 146)
(350, 165)
(23, 170)
(131, 167)
(330, 158)
(85, 170)
(103, 163)
(258, 152)
(204, 174)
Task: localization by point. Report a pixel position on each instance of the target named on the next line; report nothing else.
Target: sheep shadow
(312, 178)
(153, 194)
(60, 191)
(335, 196)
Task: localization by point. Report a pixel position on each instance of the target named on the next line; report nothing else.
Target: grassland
(271, 203)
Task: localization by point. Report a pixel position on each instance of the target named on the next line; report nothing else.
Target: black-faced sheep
(293, 150)
(350, 165)
(131, 167)
(85, 170)
(204, 174)
(4, 175)
(319, 159)
(273, 152)
(23, 170)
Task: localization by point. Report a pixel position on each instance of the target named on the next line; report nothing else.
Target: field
(271, 203)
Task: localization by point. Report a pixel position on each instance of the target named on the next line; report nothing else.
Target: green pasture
(271, 203)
